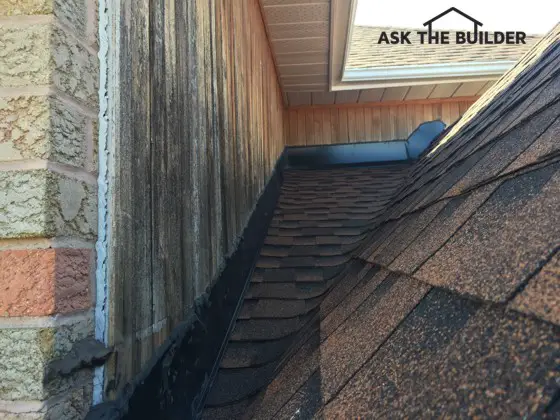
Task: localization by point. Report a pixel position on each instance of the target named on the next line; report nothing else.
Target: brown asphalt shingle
(428, 289)
(452, 358)
(366, 52)
(541, 296)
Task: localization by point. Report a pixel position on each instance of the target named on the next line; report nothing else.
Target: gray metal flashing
(422, 137)
(367, 152)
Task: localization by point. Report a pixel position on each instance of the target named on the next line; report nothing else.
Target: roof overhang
(342, 21)
(440, 71)
(310, 43)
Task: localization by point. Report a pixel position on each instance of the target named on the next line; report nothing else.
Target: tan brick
(40, 282)
(76, 70)
(25, 7)
(73, 13)
(73, 405)
(43, 54)
(40, 203)
(27, 352)
(42, 127)
(25, 55)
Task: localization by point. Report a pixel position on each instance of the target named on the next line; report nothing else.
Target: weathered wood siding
(372, 122)
(200, 128)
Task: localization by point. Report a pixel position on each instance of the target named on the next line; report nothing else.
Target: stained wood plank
(201, 126)
(302, 133)
(344, 136)
(352, 125)
(380, 122)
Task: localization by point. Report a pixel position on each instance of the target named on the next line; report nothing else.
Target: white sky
(532, 17)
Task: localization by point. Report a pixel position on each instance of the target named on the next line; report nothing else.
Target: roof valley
(423, 272)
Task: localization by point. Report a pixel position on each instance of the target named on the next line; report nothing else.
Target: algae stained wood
(200, 128)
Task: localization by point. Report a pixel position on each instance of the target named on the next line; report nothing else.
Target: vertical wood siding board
(216, 124)
(158, 93)
(301, 132)
(212, 185)
(202, 164)
(174, 287)
(141, 185)
(317, 127)
(385, 123)
(175, 161)
(446, 113)
(360, 124)
(239, 164)
(453, 111)
(229, 121)
(222, 121)
(394, 112)
(368, 124)
(376, 123)
(428, 113)
(293, 134)
(327, 127)
(194, 141)
(309, 127)
(343, 119)
(352, 129)
(411, 117)
(215, 227)
(335, 126)
(401, 122)
(119, 319)
(437, 111)
(246, 165)
(201, 129)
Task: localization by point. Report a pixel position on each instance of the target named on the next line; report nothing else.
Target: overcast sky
(532, 17)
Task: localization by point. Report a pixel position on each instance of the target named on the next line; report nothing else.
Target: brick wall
(48, 203)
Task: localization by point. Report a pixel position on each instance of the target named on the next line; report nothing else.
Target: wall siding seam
(35, 406)
(45, 243)
(19, 21)
(73, 103)
(69, 171)
(52, 92)
(16, 92)
(51, 321)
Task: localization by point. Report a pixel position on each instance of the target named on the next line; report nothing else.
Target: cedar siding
(200, 131)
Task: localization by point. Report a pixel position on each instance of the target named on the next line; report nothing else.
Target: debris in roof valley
(422, 289)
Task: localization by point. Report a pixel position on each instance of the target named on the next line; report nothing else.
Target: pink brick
(38, 282)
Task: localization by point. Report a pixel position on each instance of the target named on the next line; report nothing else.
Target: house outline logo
(475, 22)
(431, 36)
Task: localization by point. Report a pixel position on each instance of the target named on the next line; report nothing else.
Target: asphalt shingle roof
(365, 52)
(424, 289)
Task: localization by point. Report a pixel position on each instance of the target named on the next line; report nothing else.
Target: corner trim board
(109, 11)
